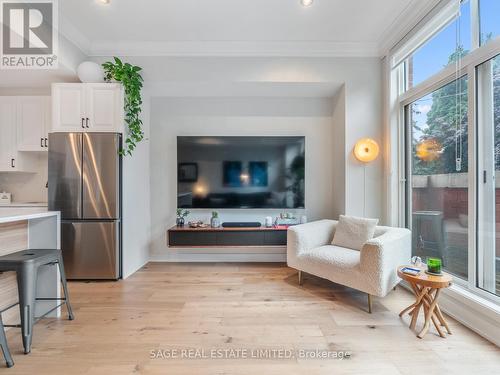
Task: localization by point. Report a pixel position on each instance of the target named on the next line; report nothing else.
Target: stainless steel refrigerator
(85, 185)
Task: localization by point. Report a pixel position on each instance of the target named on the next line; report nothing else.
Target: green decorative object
(214, 221)
(132, 80)
(434, 266)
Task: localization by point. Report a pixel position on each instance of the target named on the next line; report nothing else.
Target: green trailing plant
(215, 214)
(132, 80)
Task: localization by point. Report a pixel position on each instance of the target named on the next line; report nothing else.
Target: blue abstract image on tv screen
(232, 173)
(258, 173)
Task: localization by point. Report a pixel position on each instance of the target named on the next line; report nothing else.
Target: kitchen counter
(29, 228)
(24, 204)
(11, 214)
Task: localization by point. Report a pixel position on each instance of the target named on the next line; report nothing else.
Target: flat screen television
(240, 172)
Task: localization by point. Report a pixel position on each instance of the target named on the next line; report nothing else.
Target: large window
(449, 96)
(488, 158)
(439, 175)
(489, 16)
(441, 50)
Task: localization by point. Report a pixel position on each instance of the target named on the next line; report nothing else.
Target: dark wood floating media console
(226, 237)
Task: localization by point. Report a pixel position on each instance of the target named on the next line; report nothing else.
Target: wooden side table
(426, 288)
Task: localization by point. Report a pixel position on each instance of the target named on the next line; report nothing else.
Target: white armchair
(371, 270)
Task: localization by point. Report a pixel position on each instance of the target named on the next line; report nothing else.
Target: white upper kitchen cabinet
(11, 159)
(104, 107)
(33, 123)
(87, 107)
(68, 102)
(7, 132)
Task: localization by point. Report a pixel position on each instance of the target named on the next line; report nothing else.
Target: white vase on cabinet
(90, 71)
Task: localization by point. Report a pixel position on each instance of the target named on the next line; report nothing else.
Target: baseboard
(136, 268)
(222, 255)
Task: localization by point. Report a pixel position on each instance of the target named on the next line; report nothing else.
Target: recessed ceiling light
(306, 3)
(104, 1)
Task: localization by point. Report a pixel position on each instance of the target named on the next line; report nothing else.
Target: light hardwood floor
(251, 306)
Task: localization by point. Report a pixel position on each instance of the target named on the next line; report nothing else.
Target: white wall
(136, 203)
(70, 56)
(362, 78)
(187, 93)
(339, 154)
(171, 117)
(364, 119)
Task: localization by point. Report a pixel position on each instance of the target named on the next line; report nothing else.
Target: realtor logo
(29, 36)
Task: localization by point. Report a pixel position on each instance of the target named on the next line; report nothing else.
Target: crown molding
(404, 23)
(401, 25)
(242, 89)
(236, 49)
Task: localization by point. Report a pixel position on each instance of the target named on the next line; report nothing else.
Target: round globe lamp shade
(90, 72)
(366, 150)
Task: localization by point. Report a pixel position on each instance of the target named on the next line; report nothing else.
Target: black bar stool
(3, 345)
(26, 264)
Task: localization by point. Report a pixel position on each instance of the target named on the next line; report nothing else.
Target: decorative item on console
(268, 221)
(215, 221)
(181, 214)
(197, 224)
(286, 218)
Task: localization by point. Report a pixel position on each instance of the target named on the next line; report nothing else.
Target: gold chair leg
(369, 303)
(300, 277)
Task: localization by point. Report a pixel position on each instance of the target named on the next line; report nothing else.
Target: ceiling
(218, 48)
(236, 27)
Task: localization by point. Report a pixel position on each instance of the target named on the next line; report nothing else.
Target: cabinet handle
(46, 143)
(41, 142)
(83, 126)
(12, 163)
(87, 122)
